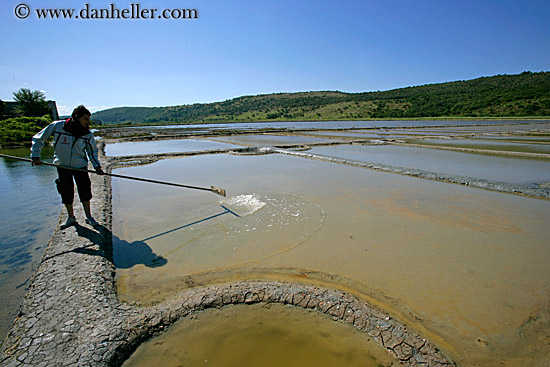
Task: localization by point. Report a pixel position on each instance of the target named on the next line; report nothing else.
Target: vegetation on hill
(522, 95)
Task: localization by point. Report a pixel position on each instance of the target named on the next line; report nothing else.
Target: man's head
(82, 115)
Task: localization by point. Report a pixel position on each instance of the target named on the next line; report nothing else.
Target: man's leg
(65, 188)
(86, 206)
(84, 186)
(89, 219)
(70, 210)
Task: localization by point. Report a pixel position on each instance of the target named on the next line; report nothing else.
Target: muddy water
(223, 234)
(261, 336)
(465, 267)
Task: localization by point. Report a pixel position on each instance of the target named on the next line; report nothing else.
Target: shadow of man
(124, 254)
(100, 243)
(121, 253)
(127, 255)
(101, 239)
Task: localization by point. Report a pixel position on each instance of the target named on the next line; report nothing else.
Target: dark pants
(65, 185)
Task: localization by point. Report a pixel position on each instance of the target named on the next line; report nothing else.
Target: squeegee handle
(108, 174)
(155, 181)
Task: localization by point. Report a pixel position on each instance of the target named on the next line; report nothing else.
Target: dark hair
(80, 111)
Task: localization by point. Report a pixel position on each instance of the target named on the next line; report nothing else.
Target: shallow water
(162, 146)
(516, 138)
(510, 170)
(434, 132)
(354, 135)
(269, 140)
(504, 126)
(465, 267)
(224, 234)
(28, 215)
(261, 336)
(489, 145)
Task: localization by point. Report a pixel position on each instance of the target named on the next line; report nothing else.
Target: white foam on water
(245, 204)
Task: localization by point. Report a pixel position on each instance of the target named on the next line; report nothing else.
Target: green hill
(522, 95)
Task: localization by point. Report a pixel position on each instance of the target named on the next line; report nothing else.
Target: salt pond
(503, 126)
(510, 170)
(489, 145)
(162, 146)
(466, 267)
(261, 336)
(269, 139)
(352, 135)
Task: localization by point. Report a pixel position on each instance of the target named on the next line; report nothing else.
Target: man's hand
(99, 171)
(36, 161)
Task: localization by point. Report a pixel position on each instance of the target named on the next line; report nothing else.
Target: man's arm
(91, 150)
(38, 142)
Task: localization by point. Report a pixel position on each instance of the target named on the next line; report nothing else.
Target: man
(73, 145)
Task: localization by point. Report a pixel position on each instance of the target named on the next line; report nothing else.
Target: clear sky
(247, 47)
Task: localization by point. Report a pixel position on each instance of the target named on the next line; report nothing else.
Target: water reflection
(163, 146)
(267, 139)
(29, 210)
(510, 170)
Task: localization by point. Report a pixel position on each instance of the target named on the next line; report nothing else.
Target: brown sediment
(264, 334)
(425, 248)
(486, 219)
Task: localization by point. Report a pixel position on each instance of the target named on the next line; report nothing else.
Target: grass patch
(21, 129)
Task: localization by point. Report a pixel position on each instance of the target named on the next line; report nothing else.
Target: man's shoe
(69, 222)
(91, 221)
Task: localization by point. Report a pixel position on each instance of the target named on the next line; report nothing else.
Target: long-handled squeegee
(214, 189)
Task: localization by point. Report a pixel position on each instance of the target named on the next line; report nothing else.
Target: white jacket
(68, 149)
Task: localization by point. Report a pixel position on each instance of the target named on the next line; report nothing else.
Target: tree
(31, 103)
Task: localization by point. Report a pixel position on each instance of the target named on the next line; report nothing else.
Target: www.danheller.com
(133, 11)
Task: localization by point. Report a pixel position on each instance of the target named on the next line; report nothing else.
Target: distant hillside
(522, 95)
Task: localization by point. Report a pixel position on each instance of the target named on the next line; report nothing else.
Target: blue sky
(247, 47)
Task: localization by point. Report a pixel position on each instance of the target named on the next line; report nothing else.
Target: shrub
(21, 129)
